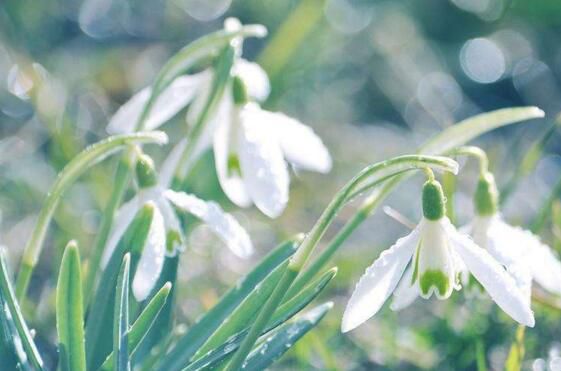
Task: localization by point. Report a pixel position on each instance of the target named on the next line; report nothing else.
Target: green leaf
(11, 355)
(281, 315)
(188, 345)
(98, 339)
(468, 129)
(143, 323)
(121, 318)
(220, 355)
(284, 338)
(16, 317)
(69, 311)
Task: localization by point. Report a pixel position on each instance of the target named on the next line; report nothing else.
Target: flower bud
(486, 195)
(433, 200)
(145, 171)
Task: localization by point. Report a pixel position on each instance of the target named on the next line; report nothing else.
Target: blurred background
(373, 78)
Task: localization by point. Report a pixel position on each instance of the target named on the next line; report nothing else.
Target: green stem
(381, 171)
(475, 152)
(75, 168)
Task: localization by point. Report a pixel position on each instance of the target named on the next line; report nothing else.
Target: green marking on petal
(416, 266)
(173, 238)
(434, 278)
(234, 165)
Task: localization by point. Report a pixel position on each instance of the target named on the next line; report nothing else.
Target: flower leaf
(121, 318)
(69, 311)
(143, 323)
(12, 308)
(197, 335)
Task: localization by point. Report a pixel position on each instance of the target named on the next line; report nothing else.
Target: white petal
(126, 117)
(379, 281)
(152, 259)
(172, 224)
(201, 99)
(123, 219)
(167, 170)
(223, 224)
(300, 145)
(406, 292)
(493, 277)
(174, 98)
(255, 79)
(263, 167)
(225, 142)
(524, 247)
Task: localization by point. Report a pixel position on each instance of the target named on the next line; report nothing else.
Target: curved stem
(381, 171)
(90, 156)
(475, 152)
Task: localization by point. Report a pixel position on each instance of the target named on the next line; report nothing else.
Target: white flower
(522, 252)
(165, 234)
(438, 254)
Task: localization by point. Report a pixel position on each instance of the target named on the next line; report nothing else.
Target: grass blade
(69, 311)
(284, 338)
(282, 314)
(188, 345)
(470, 128)
(23, 333)
(516, 353)
(143, 323)
(98, 341)
(121, 318)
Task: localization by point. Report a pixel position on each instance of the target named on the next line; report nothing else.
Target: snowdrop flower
(165, 236)
(186, 89)
(438, 253)
(522, 252)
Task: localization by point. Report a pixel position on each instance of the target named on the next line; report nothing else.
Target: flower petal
(255, 79)
(379, 281)
(493, 277)
(262, 164)
(167, 170)
(174, 98)
(126, 117)
(223, 224)
(123, 219)
(300, 145)
(521, 246)
(230, 181)
(406, 292)
(152, 259)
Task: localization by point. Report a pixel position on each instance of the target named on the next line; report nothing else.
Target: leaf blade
(69, 311)
(121, 318)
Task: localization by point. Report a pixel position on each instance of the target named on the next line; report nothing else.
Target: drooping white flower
(165, 235)
(438, 254)
(519, 250)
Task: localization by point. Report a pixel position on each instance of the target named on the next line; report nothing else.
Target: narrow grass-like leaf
(284, 338)
(143, 323)
(217, 358)
(98, 340)
(121, 318)
(23, 333)
(12, 354)
(470, 128)
(282, 314)
(188, 345)
(69, 311)
(72, 171)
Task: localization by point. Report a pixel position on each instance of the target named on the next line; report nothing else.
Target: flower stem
(475, 152)
(381, 171)
(90, 156)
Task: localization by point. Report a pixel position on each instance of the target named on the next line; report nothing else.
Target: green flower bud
(486, 197)
(145, 171)
(433, 200)
(239, 91)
